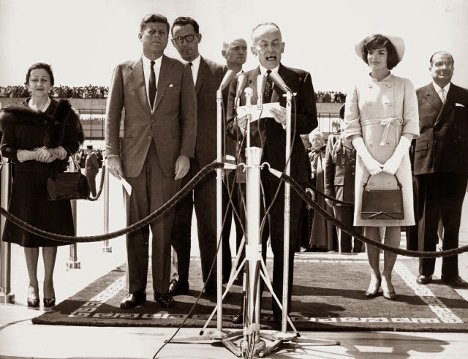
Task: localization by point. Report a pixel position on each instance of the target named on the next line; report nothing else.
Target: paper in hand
(263, 112)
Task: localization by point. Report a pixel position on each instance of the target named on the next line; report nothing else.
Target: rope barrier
(135, 226)
(190, 185)
(101, 186)
(349, 230)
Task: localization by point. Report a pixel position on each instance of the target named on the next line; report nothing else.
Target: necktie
(193, 75)
(442, 94)
(268, 88)
(152, 85)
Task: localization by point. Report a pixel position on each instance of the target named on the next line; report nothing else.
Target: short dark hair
(441, 52)
(378, 41)
(40, 65)
(154, 18)
(186, 20)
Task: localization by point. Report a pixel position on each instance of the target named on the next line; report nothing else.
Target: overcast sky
(84, 39)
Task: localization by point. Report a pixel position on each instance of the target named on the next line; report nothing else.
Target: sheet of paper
(262, 112)
(126, 185)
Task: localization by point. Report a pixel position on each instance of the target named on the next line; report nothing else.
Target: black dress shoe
(456, 282)
(423, 279)
(164, 300)
(49, 302)
(210, 291)
(33, 302)
(238, 318)
(178, 288)
(132, 300)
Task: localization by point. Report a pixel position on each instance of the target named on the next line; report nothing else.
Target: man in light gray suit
(158, 98)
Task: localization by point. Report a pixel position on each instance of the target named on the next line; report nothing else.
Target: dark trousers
(440, 197)
(203, 198)
(345, 214)
(270, 185)
(150, 190)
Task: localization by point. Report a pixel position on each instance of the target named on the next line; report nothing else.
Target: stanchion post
(73, 262)
(106, 247)
(6, 296)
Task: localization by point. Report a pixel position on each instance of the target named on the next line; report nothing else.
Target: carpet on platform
(328, 294)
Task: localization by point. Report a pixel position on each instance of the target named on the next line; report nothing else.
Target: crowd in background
(89, 91)
(92, 91)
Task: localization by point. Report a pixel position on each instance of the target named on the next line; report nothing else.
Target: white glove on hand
(25, 155)
(392, 164)
(372, 166)
(58, 152)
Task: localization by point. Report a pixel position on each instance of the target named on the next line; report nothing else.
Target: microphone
(227, 79)
(241, 81)
(278, 81)
(261, 82)
(248, 96)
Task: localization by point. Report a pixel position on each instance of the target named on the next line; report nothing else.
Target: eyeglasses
(179, 40)
(442, 63)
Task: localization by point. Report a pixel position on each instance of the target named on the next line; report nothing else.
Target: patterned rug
(328, 294)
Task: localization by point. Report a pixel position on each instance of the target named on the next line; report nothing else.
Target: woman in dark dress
(38, 137)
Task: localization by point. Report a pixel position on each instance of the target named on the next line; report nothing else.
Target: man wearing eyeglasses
(441, 166)
(269, 134)
(207, 77)
(157, 97)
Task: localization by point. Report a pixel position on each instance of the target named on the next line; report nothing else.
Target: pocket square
(171, 85)
(459, 104)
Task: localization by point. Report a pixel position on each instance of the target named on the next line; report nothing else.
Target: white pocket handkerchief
(171, 85)
(459, 104)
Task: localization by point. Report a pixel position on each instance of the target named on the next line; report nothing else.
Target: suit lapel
(277, 93)
(433, 98)
(202, 71)
(139, 82)
(163, 80)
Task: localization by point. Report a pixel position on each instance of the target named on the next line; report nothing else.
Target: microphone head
(227, 79)
(241, 81)
(248, 92)
(261, 82)
(278, 81)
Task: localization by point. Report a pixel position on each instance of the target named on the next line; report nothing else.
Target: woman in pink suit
(381, 119)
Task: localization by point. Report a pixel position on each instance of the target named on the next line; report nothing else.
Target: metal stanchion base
(6, 298)
(73, 265)
(106, 249)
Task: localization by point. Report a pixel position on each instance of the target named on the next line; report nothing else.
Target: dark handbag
(382, 203)
(67, 185)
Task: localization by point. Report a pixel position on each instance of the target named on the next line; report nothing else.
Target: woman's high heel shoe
(33, 302)
(388, 290)
(373, 290)
(49, 302)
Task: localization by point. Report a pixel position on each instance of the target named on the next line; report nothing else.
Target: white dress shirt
(438, 89)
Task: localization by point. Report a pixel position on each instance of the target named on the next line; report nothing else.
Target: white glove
(58, 152)
(392, 164)
(25, 155)
(372, 166)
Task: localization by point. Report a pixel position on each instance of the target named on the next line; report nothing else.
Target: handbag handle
(398, 182)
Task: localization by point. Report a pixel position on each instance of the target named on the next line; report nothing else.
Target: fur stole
(63, 118)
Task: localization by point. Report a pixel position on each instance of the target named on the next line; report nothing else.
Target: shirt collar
(147, 62)
(437, 88)
(263, 70)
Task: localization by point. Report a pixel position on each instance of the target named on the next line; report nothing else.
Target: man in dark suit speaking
(269, 134)
(441, 166)
(158, 99)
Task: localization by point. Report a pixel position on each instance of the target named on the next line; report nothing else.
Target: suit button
(435, 141)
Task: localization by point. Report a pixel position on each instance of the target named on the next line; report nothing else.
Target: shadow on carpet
(328, 294)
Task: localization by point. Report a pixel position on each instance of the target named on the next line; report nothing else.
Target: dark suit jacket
(271, 133)
(172, 125)
(210, 75)
(443, 143)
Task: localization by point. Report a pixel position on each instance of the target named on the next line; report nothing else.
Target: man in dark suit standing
(269, 134)
(157, 95)
(207, 77)
(441, 166)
